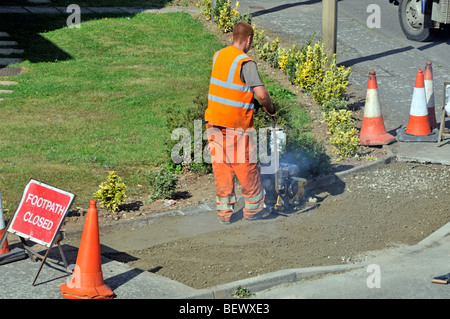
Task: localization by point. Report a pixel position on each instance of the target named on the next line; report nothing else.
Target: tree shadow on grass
(27, 30)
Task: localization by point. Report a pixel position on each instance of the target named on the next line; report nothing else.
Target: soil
(395, 204)
(347, 222)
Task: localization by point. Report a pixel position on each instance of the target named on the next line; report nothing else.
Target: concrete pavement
(403, 273)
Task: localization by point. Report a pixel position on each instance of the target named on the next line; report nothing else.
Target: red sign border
(27, 236)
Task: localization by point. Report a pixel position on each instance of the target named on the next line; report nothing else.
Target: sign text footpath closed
(41, 212)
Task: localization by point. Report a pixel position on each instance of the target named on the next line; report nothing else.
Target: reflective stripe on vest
(230, 101)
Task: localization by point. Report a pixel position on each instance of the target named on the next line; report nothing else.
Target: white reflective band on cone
(419, 103)
(372, 108)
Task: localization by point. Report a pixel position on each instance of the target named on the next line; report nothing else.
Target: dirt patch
(396, 204)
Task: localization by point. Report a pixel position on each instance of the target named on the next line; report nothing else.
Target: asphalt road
(386, 50)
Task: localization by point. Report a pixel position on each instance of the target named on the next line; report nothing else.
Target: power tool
(285, 188)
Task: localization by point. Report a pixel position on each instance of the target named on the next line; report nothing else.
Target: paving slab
(9, 61)
(8, 43)
(8, 83)
(10, 51)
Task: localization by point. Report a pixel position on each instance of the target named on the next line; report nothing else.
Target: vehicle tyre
(413, 21)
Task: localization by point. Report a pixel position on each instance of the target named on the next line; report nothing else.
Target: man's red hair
(241, 31)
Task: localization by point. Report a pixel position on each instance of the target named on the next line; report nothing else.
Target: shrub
(344, 136)
(162, 183)
(292, 61)
(323, 78)
(334, 83)
(339, 120)
(334, 104)
(311, 69)
(205, 7)
(345, 143)
(224, 14)
(178, 117)
(259, 43)
(112, 192)
(273, 52)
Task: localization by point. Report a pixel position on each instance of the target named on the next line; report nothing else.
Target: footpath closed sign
(41, 212)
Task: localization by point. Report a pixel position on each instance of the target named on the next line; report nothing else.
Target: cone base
(373, 132)
(402, 136)
(418, 125)
(100, 292)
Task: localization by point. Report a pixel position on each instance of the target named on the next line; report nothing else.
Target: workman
(234, 82)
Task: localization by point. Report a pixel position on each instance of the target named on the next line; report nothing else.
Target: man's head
(243, 36)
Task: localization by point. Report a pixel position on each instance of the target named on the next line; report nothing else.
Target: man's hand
(270, 113)
(263, 97)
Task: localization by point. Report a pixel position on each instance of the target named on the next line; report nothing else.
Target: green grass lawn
(93, 99)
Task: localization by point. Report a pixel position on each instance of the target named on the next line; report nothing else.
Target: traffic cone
(5, 247)
(429, 91)
(418, 123)
(373, 131)
(87, 278)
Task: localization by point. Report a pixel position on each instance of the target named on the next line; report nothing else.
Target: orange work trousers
(233, 154)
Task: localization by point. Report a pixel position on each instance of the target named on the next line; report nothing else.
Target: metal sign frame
(443, 116)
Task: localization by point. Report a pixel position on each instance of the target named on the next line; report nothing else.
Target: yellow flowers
(345, 143)
(205, 7)
(338, 120)
(5, 210)
(316, 76)
(235, 12)
(223, 13)
(226, 13)
(266, 50)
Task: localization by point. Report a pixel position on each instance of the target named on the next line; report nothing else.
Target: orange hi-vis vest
(230, 101)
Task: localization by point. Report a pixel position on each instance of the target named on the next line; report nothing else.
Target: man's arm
(250, 76)
(264, 99)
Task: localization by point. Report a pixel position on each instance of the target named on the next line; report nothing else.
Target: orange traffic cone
(418, 123)
(429, 91)
(5, 247)
(373, 131)
(87, 278)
